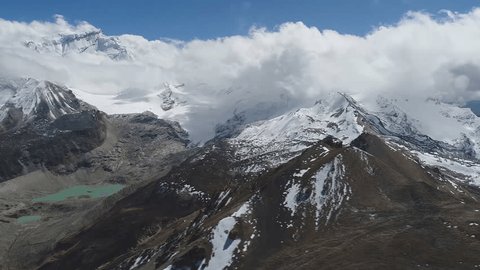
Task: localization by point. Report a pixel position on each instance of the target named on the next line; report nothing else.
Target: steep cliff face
(44, 125)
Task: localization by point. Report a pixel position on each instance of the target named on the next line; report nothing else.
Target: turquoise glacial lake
(81, 191)
(27, 219)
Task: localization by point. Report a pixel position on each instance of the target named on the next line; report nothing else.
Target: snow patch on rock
(223, 247)
(290, 201)
(329, 190)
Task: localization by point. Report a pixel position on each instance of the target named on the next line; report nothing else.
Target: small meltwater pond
(27, 219)
(81, 191)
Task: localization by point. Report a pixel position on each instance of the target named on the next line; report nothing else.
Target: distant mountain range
(392, 183)
(88, 42)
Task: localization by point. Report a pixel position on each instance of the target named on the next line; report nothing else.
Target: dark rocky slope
(60, 142)
(29, 148)
(364, 206)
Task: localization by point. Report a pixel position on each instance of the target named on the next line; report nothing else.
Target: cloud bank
(265, 73)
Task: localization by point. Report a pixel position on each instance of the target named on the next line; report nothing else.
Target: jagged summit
(24, 100)
(279, 139)
(266, 144)
(89, 42)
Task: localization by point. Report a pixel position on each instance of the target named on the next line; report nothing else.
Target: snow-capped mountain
(314, 186)
(440, 134)
(237, 152)
(77, 43)
(25, 100)
(268, 143)
(277, 140)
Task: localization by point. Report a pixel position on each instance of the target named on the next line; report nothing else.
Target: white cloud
(421, 56)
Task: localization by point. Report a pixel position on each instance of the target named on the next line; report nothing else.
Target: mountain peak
(275, 141)
(93, 41)
(27, 99)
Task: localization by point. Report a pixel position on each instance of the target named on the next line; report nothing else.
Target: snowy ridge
(458, 168)
(432, 126)
(272, 142)
(36, 99)
(77, 43)
(439, 134)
